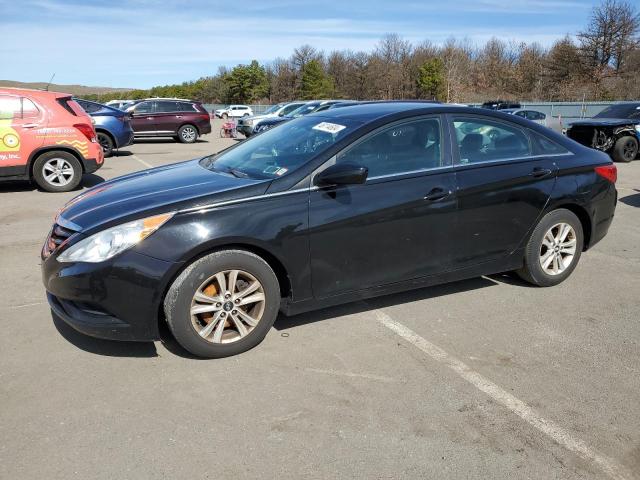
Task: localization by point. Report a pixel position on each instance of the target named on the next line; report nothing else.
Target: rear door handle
(178, 116)
(149, 118)
(30, 125)
(437, 194)
(539, 172)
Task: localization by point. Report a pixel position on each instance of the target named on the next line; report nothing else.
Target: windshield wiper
(236, 173)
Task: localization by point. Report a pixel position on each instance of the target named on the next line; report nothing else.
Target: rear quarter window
(545, 146)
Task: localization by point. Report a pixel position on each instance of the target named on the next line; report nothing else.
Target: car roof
(369, 111)
(33, 92)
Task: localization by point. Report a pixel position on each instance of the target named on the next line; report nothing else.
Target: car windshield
(282, 150)
(273, 108)
(620, 110)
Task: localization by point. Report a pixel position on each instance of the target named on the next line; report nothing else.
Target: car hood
(607, 122)
(162, 189)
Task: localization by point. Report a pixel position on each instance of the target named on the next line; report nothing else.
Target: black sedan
(328, 208)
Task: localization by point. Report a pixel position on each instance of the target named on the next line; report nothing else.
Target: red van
(46, 137)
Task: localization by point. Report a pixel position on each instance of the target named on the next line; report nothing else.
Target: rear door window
(10, 107)
(484, 140)
(144, 107)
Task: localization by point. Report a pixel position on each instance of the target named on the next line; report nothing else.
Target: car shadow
(108, 348)
(632, 200)
(91, 180)
(166, 140)
(88, 180)
(148, 349)
(121, 153)
(285, 323)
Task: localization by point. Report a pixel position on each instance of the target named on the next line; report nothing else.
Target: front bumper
(119, 299)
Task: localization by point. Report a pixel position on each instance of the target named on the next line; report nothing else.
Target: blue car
(113, 126)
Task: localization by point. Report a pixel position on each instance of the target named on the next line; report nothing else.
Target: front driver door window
(392, 227)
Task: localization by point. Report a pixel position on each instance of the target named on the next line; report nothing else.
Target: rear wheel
(188, 134)
(106, 143)
(223, 304)
(57, 171)
(625, 149)
(553, 250)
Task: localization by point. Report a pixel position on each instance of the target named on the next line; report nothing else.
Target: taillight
(205, 116)
(610, 172)
(87, 130)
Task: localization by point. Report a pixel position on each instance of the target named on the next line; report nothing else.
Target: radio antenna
(50, 80)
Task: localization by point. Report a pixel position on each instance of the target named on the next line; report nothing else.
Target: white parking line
(517, 406)
(146, 164)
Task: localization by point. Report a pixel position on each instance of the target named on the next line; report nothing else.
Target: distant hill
(78, 90)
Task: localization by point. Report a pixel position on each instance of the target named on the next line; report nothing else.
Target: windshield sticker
(271, 169)
(281, 171)
(329, 127)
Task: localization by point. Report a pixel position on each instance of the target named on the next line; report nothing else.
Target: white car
(554, 123)
(234, 111)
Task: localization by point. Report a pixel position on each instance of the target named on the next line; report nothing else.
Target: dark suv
(500, 104)
(182, 119)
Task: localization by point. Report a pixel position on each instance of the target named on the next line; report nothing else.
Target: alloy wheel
(58, 172)
(558, 249)
(227, 306)
(189, 134)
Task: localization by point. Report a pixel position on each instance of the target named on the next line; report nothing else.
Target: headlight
(638, 128)
(108, 243)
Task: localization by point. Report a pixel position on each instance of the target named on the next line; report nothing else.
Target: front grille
(57, 237)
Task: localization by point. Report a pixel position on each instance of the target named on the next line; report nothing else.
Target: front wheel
(57, 171)
(553, 250)
(223, 304)
(625, 149)
(187, 134)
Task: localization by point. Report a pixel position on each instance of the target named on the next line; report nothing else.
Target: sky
(139, 44)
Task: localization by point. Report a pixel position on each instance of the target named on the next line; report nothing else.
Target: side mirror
(281, 114)
(342, 174)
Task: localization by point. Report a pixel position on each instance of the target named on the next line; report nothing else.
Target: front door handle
(178, 116)
(437, 194)
(149, 118)
(540, 172)
(30, 125)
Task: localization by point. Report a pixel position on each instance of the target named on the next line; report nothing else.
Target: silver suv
(247, 124)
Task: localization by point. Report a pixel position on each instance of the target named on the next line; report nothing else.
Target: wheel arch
(272, 260)
(108, 133)
(52, 148)
(582, 214)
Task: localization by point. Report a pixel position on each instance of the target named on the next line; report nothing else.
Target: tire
(224, 116)
(106, 143)
(187, 134)
(625, 149)
(57, 161)
(536, 250)
(245, 115)
(200, 276)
